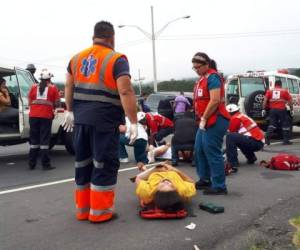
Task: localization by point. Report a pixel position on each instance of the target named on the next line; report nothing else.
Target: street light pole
(153, 52)
(153, 36)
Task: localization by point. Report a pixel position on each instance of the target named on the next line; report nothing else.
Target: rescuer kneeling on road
(276, 100)
(98, 88)
(43, 97)
(243, 134)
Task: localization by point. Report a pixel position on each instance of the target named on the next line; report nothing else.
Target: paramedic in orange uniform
(98, 91)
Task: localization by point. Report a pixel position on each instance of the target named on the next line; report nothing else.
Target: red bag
(282, 162)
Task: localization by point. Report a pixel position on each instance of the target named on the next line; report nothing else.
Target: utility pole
(139, 80)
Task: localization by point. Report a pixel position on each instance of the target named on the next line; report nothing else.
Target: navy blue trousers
(40, 134)
(246, 144)
(96, 156)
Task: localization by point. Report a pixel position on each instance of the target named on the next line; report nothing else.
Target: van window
(283, 80)
(251, 84)
(232, 88)
(12, 84)
(295, 89)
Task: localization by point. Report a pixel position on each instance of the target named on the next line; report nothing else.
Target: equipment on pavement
(282, 162)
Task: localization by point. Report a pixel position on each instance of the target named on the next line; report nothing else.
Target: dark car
(162, 102)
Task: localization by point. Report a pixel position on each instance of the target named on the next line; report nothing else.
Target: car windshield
(232, 87)
(251, 84)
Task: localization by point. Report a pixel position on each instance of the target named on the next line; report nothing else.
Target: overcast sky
(239, 34)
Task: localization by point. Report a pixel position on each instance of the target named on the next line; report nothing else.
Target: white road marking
(50, 183)
(72, 179)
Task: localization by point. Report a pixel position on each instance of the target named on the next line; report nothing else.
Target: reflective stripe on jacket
(202, 98)
(42, 105)
(248, 127)
(92, 70)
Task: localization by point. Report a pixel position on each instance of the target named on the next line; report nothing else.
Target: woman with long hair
(213, 120)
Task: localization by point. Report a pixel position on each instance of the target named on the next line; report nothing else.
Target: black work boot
(31, 165)
(47, 166)
(215, 191)
(202, 184)
(251, 160)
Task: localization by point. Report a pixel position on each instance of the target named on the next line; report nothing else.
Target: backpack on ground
(282, 162)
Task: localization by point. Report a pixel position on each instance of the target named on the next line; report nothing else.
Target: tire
(69, 143)
(253, 104)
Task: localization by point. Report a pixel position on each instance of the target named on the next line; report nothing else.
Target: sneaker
(202, 184)
(124, 160)
(252, 161)
(150, 155)
(215, 191)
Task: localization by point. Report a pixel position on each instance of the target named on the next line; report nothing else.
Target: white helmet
(141, 116)
(232, 108)
(45, 74)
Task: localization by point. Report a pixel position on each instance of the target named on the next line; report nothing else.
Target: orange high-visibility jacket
(92, 70)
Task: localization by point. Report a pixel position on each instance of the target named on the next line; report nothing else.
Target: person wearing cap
(243, 133)
(32, 69)
(43, 98)
(98, 92)
(213, 120)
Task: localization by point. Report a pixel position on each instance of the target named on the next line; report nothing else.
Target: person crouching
(243, 134)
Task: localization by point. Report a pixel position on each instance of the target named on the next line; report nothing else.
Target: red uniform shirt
(156, 122)
(41, 106)
(242, 124)
(277, 98)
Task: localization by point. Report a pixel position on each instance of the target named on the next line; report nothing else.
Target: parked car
(19, 82)
(162, 102)
(247, 91)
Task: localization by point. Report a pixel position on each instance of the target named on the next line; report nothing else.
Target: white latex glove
(68, 122)
(202, 124)
(133, 133)
(263, 113)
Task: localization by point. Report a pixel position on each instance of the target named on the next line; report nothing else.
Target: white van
(247, 91)
(19, 82)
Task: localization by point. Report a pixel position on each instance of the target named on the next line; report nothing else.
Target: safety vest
(42, 105)
(92, 70)
(202, 98)
(278, 98)
(249, 127)
(156, 122)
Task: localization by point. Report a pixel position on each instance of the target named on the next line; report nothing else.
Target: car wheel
(69, 142)
(253, 104)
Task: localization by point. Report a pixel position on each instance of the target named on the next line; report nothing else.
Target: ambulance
(247, 91)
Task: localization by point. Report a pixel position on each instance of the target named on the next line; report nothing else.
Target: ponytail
(43, 85)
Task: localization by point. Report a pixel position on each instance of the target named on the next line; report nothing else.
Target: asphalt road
(33, 216)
